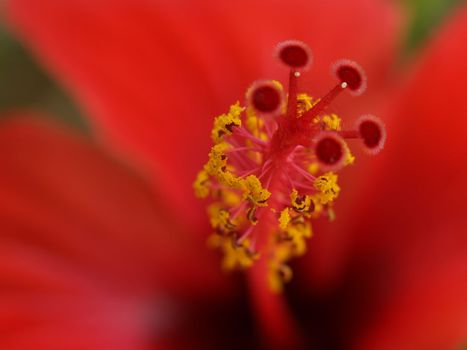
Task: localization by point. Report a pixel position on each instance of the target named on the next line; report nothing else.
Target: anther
(330, 150)
(265, 97)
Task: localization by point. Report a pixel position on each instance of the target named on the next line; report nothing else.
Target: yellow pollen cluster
(255, 192)
(218, 168)
(349, 157)
(220, 219)
(201, 184)
(255, 124)
(332, 122)
(328, 188)
(224, 123)
(290, 242)
(236, 255)
(300, 203)
(304, 104)
(279, 272)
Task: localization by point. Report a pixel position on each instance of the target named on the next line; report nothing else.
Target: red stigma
(373, 133)
(330, 150)
(265, 97)
(351, 73)
(294, 54)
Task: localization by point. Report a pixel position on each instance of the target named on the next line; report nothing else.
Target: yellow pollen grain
(217, 166)
(332, 122)
(220, 218)
(224, 123)
(304, 103)
(255, 125)
(284, 219)
(298, 233)
(230, 198)
(254, 191)
(300, 203)
(277, 266)
(349, 157)
(201, 184)
(236, 255)
(327, 186)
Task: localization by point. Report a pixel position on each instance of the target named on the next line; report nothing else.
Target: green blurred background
(24, 84)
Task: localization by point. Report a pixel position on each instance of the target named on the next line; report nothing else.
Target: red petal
(278, 329)
(54, 183)
(86, 248)
(414, 215)
(155, 74)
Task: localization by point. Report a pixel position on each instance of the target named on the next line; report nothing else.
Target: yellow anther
(304, 104)
(217, 167)
(332, 122)
(252, 122)
(224, 123)
(217, 159)
(300, 203)
(255, 124)
(279, 272)
(284, 219)
(230, 198)
(298, 233)
(220, 218)
(201, 184)
(349, 157)
(236, 255)
(327, 186)
(230, 180)
(254, 191)
(278, 275)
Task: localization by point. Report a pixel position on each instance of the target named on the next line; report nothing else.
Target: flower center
(272, 168)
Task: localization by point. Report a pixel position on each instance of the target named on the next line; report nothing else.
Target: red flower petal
(54, 183)
(154, 74)
(86, 248)
(414, 218)
(275, 321)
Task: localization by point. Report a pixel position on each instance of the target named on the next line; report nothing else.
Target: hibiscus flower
(95, 257)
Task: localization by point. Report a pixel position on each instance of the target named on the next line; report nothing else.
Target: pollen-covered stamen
(352, 74)
(265, 97)
(330, 150)
(270, 171)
